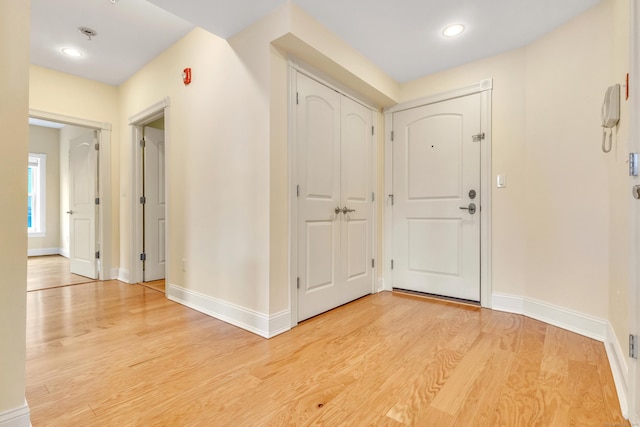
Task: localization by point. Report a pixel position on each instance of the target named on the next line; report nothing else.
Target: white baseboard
(579, 323)
(114, 274)
(261, 324)
(619, 368)
(43, 252)
(574, 321)
(19, 417)
(65, 253)
(122, 275)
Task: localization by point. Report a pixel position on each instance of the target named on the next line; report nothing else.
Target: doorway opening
(149, 223)
(69, 220)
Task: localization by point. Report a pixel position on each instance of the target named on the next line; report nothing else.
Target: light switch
(501, 181)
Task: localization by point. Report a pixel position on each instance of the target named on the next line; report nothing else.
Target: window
(36, 194)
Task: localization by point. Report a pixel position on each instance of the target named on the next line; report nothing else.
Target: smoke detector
(87, 32)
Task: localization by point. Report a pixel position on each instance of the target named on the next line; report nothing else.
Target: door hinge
(391, 197)
(297, 191)
(97, 254)
(633, 164)
(633, 346)
(373, 196)
(478, 137)
(392, 264)
(373, 132)
(297, 98)
(143, 257)
(143, 200)
(97, 200)
(297, 283)
(373, 263)
(97, 147)
(142, 143)
(392, 135)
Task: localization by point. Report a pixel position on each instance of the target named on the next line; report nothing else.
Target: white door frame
(137, 123)
(632, 382)
(296, 67)
(484, 88)
(103, 239)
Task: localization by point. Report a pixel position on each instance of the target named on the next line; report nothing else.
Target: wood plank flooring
(44, 272)
(158, 285)
(112, 354)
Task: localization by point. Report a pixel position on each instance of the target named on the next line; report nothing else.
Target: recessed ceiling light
(453, 30)
(71, 52)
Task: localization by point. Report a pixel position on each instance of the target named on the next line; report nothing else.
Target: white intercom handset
(610, 114)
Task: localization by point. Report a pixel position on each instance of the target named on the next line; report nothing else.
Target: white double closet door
(335, 198)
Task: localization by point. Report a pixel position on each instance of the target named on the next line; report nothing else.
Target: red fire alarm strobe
(186, 76)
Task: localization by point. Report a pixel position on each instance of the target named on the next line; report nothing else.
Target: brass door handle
(70, 212)
(346, 211)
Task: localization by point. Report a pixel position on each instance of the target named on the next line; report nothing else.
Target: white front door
(82, 205)
(154, 206)
(436, 171)
(334, 202)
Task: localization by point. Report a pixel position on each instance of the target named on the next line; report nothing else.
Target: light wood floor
(158, 285)
(112, 354)
(44, 272)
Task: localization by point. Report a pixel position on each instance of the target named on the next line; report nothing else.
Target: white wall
(43, 140)
(14, 111)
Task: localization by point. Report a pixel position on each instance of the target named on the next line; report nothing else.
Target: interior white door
(436, 169)
(335, 207)
(154, 206)
(357, 198)
(82, 205)
(318, 135)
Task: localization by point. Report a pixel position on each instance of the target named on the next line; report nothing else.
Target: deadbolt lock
(472, 194)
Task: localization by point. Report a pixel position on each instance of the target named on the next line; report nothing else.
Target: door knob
(471, 208)
(636, 191)
(337, 210)
(346, 211)
(70, 212)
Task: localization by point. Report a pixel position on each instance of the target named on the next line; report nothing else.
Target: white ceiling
(130, 34)
(402, 37)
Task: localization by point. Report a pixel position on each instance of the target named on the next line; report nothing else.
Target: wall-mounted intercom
(610, 114)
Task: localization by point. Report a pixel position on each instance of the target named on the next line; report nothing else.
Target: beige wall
(551, 224)
(59, 93)
(230, 125)
(620, 221)
(43, 140)
(566, 172)
(218, 141)
(14, 110)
